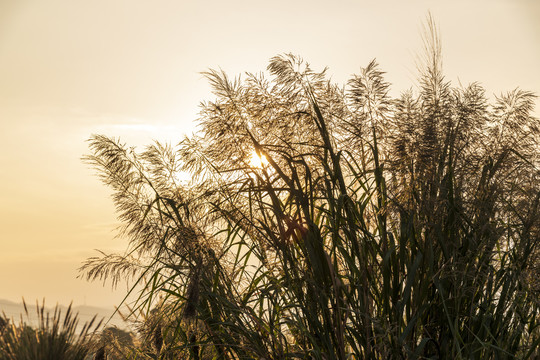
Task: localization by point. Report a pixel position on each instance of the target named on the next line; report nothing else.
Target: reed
(377, 228)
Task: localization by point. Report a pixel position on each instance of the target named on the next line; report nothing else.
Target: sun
(257, 161)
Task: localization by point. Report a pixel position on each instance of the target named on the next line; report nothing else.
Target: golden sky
(131, 68)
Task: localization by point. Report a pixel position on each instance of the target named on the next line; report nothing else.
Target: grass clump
(375, 228)
(55, 337)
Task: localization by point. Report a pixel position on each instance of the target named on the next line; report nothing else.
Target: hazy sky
(71, 68)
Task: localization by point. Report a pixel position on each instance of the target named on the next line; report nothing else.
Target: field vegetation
(324, 222)
(370, 227)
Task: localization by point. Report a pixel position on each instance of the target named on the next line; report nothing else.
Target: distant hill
(14, 311)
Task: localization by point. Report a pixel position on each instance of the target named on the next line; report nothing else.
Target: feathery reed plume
(379, 228)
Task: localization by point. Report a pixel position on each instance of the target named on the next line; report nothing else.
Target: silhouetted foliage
(376, 228)
(55, 337)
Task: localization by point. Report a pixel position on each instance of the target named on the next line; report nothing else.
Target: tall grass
(379, 228)
(56, 336)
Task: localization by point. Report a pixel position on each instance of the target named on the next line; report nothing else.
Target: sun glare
(258, 161)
